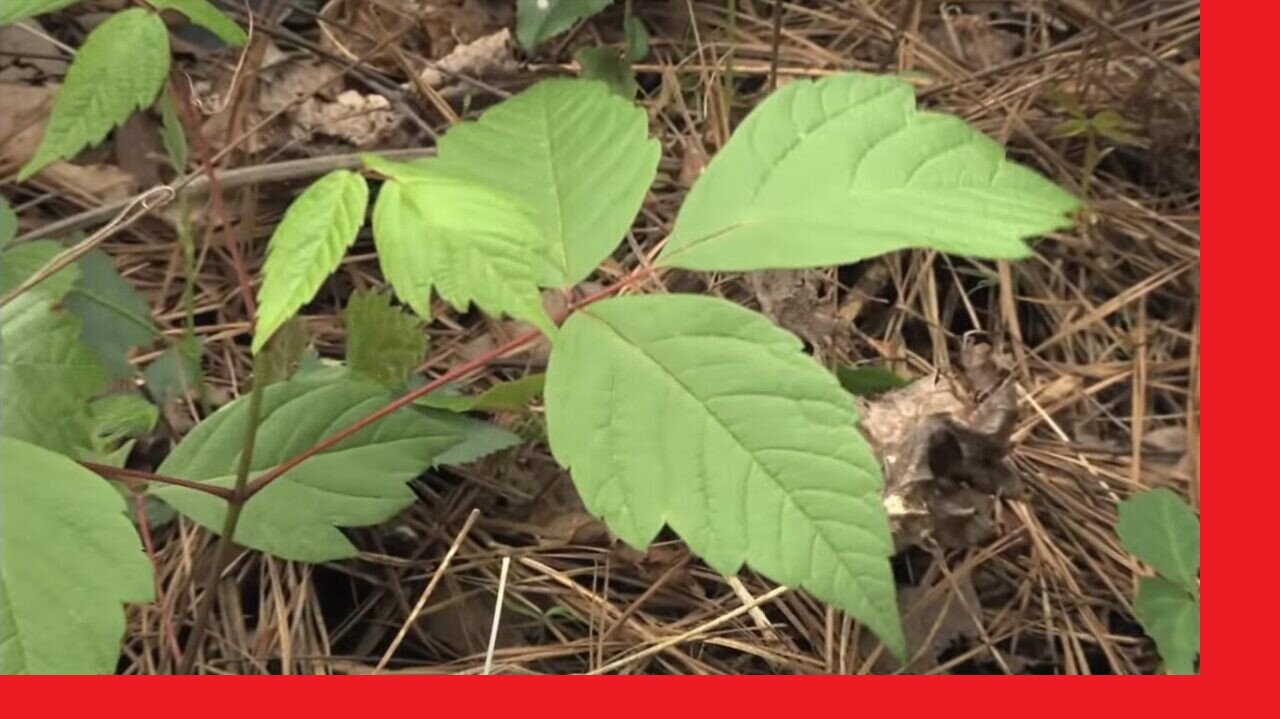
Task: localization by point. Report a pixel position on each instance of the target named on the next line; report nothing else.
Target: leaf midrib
(817, 526)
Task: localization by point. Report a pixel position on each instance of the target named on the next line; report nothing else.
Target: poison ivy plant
(12, 11)
(699, 414)
(584, 165)
(384, 344)
(1161, 530)
(48, 375)
(119, 69)
(845, 168)
(204, 14)
(538, 20)
(307, 246)
(468, 242)
(70, 559)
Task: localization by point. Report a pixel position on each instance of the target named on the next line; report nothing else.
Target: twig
(436, 576)
(133, 209)
(776, 45)
(700, 629)
(497, 614)
(229, 179)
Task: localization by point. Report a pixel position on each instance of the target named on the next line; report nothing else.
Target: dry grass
(1103, 325)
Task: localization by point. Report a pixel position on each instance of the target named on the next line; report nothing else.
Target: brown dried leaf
(484, 57)
(945, 459)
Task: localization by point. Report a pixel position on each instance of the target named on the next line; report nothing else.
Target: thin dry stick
(198, 182)
(700, 629)
(137, 207)
(431, 587)
(497, 614)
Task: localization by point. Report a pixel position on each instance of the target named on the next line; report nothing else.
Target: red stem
(458, 372)
(107, 470)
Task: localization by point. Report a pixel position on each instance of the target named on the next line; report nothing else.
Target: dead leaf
(26, 108)
(484, 57)
(27, 57)
(945, 458)
(359, 119)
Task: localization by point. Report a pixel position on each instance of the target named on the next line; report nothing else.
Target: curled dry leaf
(484, 57)
(944, 453)
(359, 119)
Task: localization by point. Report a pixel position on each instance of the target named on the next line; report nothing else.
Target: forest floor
(1101, 327)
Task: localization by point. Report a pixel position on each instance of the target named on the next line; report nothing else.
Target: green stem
(235, 506)
(186, 238)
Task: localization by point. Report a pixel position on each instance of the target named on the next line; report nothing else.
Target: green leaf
(580, 156)
(1161, 530)
(513, 396)
(204, 14)
(1170, 616)
(114, 319)
(307, 246)
(70, 559)
(384, 344)
(285, 351)
(869, 381)
(172, 134)
(479, 439)
(12, 11)
(845, 168)
(176, 371)
(1070, 128)
(119, 69)
(637, 36)
(359, 482)
(538, 20)
(699, 414)
(22, 261)
(606, 65)
(47, 374)
(8, 222)
(468, 242)
(120, 416)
